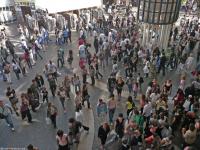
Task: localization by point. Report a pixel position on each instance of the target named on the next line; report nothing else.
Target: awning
(54, 6)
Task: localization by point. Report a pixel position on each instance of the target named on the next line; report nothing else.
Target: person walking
(103, 131)
(70, 58)
(52, 84)
(120, 126)
(60, 57)
(102, 110)
(62, 140)
(119, 87)
(16, 69)
(62, 96)
(66, 84)
(74, 130)
(92, 74)
(7, 73)
(85, 95)
(6, 113)
(24, 109)
(112, 104)
(52, 113)
(10, 93)
(129, 106)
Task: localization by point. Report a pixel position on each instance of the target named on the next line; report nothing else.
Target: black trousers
(26, 114)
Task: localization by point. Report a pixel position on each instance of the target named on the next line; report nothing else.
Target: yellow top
(129, 105)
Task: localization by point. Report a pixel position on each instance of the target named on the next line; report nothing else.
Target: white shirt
(147, 109)
(186, 105)
(24, 44)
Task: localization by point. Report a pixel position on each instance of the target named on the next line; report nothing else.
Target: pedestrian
(96, 44)
(61, 94)
(140, 81)
(112, 104)
(38, 48)
(6, 113)
(92, 74)
(111, 84)
(40, 81)
(62, 140)
(45, 96)
(129, 106)
(10, 93)
(146, 70)
(66, 84)
(119, 87)
(103, 131)
(135, 89)
(60, 57)
(96, 65)
(147, 110)
(120, 126)
(7, 72)
(74, 130)
(162, 64)
(189, 135)
(129, 83)
(182, 82)
(76, 83)
(24, 109)
(52, 113)
(27, 58)
(84, 74)
(70, 58)
(78, 106)
(85, 95)
(52, 69)
(10, 47)
(52, 84)
(32, 55)
(102, 110)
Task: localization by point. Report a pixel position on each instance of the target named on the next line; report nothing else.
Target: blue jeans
(9, 120)
(111, 114)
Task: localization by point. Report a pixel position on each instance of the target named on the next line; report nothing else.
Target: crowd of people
(154, 114)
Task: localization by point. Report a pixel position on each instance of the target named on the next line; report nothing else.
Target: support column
(144, 34)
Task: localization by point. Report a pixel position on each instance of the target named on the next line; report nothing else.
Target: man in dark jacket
(162, 64)
(10, 46)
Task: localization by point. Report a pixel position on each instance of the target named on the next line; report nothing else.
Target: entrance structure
(158, 15)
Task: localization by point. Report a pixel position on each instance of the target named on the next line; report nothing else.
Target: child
(45, 95)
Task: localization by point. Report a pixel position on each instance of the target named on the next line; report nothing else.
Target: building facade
(7, 11)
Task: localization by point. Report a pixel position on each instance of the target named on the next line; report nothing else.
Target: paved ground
(43, 135)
